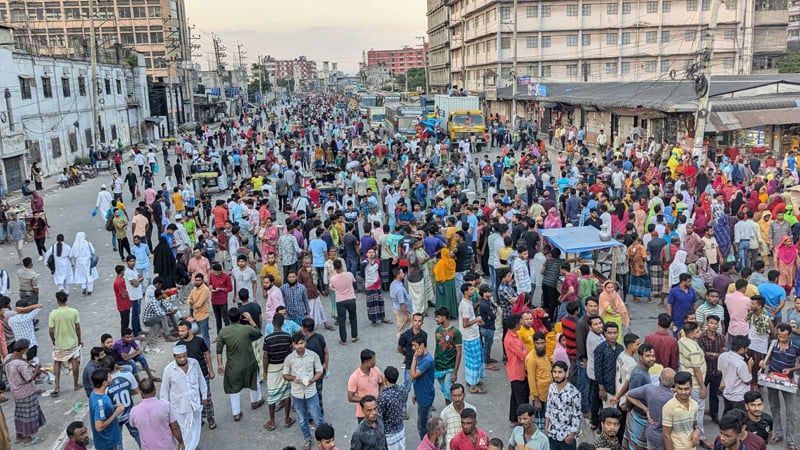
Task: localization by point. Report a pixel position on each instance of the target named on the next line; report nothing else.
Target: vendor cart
(582, 243)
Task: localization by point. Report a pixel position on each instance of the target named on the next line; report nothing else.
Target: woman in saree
(612, 308)
(640, 285)
(753, 201)
(705, 271)
(269, 239)
(444, 275)
(639, 216)
(700, 221)
(763, 224)
(786, 263)
(619, 219)
(722, 231)
(552, 220)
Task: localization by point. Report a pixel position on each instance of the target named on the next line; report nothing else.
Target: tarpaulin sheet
(578, 239)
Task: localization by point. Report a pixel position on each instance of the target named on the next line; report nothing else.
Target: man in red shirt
(121, 296)
(665, 345)
(78, 436)
(515, 367)
(569, 289)
(569, 325)
(221, 287)
(470, 437)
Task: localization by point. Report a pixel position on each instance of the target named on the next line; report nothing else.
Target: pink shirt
(364, 384)
(152, 417)
(738, 306)
(149, 196)
(342, 285)
(274, 299)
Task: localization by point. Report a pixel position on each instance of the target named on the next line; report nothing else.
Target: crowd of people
(303, 214)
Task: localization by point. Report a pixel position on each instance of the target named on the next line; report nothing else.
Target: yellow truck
(462, 117)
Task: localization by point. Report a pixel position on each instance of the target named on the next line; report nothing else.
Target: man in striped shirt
(710, 307)
(679, 416)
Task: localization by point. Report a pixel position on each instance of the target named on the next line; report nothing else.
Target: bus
(402, 118)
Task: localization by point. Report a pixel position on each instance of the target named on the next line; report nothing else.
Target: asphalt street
(68, 212)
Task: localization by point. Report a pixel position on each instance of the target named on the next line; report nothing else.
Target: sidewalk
(15, 198)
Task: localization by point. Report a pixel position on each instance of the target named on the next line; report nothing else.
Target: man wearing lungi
(21, 375)
(65, 334)
(473, 350)
(277, 346)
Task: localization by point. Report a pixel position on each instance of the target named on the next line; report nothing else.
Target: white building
(47, 113)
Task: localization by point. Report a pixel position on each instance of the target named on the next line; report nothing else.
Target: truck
(461, 117)
(402, 118)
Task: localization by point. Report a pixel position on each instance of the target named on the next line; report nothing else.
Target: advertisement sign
(491, 93)
(524, 81)
(537, 90)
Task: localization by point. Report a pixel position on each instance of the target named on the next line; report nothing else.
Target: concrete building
(793, 32)
(47, 115)
(439, 45)
(300, 68)
(602, 40)
(157, 29)
(400, 60)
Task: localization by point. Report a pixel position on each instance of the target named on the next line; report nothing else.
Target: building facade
(400, 60)
(156, 29)
(793, 32)
(439, 45)
(602, 40)
(300, 68)
(47, 115)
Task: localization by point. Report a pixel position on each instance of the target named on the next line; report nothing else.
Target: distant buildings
(299, 68)
(398, 61)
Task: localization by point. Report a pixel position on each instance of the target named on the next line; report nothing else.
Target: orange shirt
(177, 200)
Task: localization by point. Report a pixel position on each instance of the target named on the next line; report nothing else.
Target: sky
(337, 30)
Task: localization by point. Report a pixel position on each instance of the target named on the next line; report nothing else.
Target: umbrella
(353, 165)
(380, 150)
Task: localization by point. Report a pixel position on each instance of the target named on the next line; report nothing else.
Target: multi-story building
(285, 69)
(439, 45)
(400, 60)
(156, 29)
(793, 31)
(47, 115)
(602, 40)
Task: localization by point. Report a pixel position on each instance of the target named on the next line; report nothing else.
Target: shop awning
(737, 120)
(154, 119)
(578, 239)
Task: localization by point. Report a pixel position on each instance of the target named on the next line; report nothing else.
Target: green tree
(416, 79)
(253, 87)
(789, 63)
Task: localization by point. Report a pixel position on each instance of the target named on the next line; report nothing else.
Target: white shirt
(592, 341)
(742, 231)
(103, 201)
(467, 311)
(134, 292)
(736, 374)
(184, 390)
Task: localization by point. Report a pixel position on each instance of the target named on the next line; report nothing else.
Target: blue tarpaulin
(578, 239)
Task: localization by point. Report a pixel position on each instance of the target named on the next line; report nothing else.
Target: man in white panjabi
(185, 389)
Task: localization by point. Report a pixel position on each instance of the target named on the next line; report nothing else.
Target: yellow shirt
(200, 300)
(749, 291)
(502, 254)
(526, 335)
(273, 270)
(177, 200)
(539, 376)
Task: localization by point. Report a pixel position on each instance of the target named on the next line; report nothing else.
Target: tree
(416, 79)
(253, 87)
(790, 63)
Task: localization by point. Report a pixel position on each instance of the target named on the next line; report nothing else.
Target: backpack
(110, 223)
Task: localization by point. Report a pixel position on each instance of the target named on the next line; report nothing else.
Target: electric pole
(95, 84)
(425, 60)
(515, 77)
(194, 46)
(174, 55)
(702, 82)
(219, 56)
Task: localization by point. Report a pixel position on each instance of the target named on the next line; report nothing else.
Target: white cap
(178, 216)
(179, 349)
(102, 186)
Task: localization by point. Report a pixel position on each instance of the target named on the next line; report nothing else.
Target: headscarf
(445, 269)
(704, 270)
(762, 194)
(737, 203)
(614, 301)
(677, 267)
(700, 221)
(552, 220)
(164, 263)
(787, 252)
(560, 353)
(639, 216)
(722, 231)
(764, 224)
(81, 249)
(753, 201)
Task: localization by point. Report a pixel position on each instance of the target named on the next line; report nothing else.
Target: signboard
(491, 93)
(537, 90)
(524, 81)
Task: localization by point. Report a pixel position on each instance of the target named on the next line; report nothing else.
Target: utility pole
(261, 79)
(193, 47)
(219, 56)
(173, 55)
(95, 85)
(242, 73)
(703, 82)
(515, 77)
(425, 60)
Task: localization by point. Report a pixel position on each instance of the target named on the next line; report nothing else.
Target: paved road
(68, 211)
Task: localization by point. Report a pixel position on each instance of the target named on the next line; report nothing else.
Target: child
(495, 444)
(610, 419)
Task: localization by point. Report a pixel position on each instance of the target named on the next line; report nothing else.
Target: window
(505, 43)
(505, 14)
(127, 39)
(612, 9)
(65, 87)
(156, 37)
(691, 5)
(727, 63)
(666, 6)
(25, 88)
(52, 13)
(572, 70)
(611, 38)
(572, 40)
(586, 40)
(730, 5)
(55, 142)
(532, 42)
(47, 88)
(730, 35)
(650, 66)
(119, 87)
(153, 11)
(73, 142)
(626, 38)
(664, 66)
(108, 86)
(545, 41)
(572, 10)
(690, 35)
(82, 86)
(586, 10)
(664, 37)
(124, 12)
(142, 38)
(546, 10)
(139, 11)
(706, 5)
(532, 11)
(547, 71)
(652, 7)
(625, 68)
(466, 24)
(611, 68)
(650, 37)
(626, 7)
(113, 132)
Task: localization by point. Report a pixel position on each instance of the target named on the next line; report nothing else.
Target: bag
(94, 212)
(138, 192)
(51, 261)
(110, 223)
(731, 257)
(93, 260)
(155, 168)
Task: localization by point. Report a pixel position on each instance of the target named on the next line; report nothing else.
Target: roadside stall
(584, 245)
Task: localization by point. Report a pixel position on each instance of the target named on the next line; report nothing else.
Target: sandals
(477, 390)
(269, 426)
(776, 440)
(54, 394)
(291, 421)
(237, 417)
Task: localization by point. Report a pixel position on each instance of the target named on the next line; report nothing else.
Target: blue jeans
(132, 364)
(741, 262)
(585, 388)
(459, 281)
(487, 339)
(133, 431)
(406, 384)
(136, 311)
(423, 414)
(203, 325)
(558, 445)
(352, 267)
(303, 407)
(493, 278)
